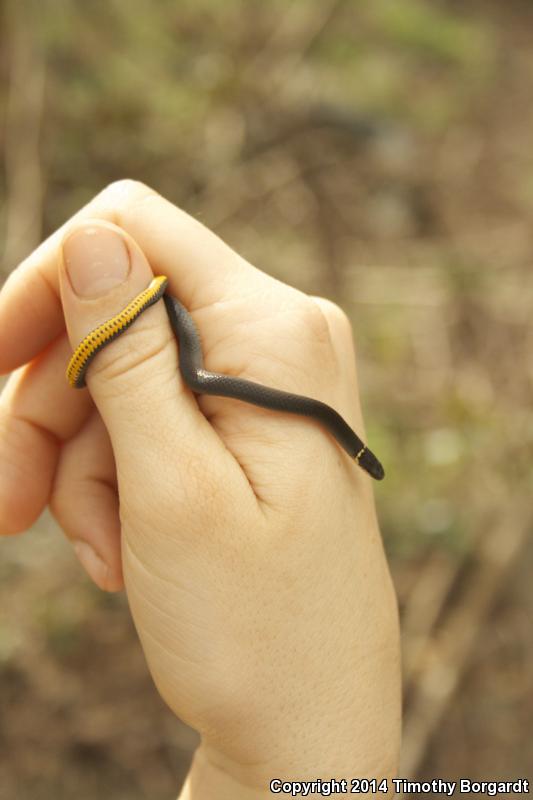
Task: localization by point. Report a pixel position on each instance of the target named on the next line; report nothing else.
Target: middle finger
(38, 412)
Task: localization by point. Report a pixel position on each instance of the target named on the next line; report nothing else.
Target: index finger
(200, 266)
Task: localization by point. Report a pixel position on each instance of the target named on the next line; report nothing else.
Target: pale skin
(246, 539)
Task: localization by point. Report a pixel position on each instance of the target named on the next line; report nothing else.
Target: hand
(247, 539)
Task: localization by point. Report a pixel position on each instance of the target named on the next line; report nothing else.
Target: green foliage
(429, 30)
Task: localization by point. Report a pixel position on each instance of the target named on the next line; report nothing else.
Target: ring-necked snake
(200, 381)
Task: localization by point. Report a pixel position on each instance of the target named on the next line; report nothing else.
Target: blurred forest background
(376, 152)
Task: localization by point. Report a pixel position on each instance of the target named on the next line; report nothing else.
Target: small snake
(200, 381)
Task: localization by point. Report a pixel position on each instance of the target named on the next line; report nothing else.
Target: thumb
(134, 380)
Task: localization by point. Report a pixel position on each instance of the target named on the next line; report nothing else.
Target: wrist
(213, 775)
(209, 778)
(347, 727)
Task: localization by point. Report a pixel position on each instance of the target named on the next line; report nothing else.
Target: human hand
(247, 539)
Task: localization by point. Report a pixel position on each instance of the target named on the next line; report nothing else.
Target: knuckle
(313, 320)
(126, 187)
(303, 326)
(335, 315)
(337, 319)
(123, 194)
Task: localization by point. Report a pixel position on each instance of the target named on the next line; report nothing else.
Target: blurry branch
(294, 37)
(228, 191)
(24, 180)
(358, 127)
(326, 230)
(221, 204)
(393, 285)
(444, 656)
(426, 601)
